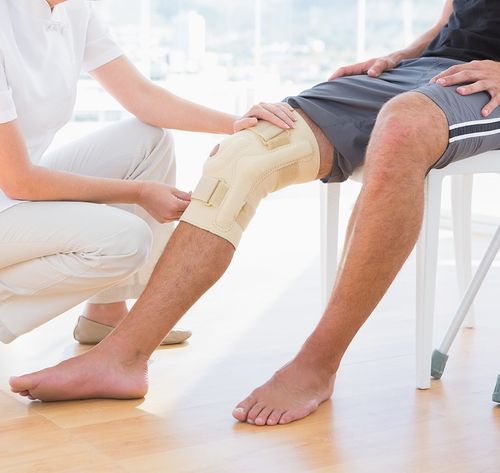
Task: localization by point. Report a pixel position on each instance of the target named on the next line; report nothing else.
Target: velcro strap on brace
(211, 191)
(271, 136)
(245, 216)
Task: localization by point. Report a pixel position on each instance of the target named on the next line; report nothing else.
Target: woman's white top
(42, 54)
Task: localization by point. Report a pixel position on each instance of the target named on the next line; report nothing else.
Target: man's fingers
(461, 77)
(479, 86)
(449, 72)
(377, 68)
(354, 70)
(340, 72)
(490, 106)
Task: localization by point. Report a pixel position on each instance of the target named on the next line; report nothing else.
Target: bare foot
(294, 392)
(88, 376)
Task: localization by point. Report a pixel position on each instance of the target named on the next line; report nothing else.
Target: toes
(243, 408)
(297, 414)
(300, 413)
(286, 418)
(274, 418)
(263, 416)
(20, 384)
(254, 412)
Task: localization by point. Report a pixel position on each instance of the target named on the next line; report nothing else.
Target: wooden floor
(250, 324)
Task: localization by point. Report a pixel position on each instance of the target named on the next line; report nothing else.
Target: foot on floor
(93, 375)
(294, 392)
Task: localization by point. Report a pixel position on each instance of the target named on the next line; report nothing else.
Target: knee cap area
(244, 169)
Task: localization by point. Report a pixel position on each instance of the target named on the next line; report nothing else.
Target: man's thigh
(469, 133)
(346, 109)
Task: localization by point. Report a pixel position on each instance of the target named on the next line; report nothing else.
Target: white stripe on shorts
(475, 122)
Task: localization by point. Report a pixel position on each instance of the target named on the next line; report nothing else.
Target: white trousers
(55, 255)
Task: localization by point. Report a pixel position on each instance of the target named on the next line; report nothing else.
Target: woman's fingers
(282, 113)
(185, 196)
(180, 205)
(265, 114)
(245, 123)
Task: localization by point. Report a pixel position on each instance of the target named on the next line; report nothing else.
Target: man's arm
(418, 46)
(374, 67)
(159, 107)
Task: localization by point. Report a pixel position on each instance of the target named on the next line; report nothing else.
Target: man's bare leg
(390, 210)
(383, 232)
(193, 261)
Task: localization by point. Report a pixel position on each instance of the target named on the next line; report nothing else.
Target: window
(228, 54)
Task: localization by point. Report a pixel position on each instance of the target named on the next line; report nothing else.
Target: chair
(427, 247)
(440, 356)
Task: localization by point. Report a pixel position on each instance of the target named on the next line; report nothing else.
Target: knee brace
(246, 167)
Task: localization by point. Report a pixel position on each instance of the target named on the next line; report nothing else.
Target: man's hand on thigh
(477, 76)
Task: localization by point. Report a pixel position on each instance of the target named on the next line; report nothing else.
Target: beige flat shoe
(88, 332)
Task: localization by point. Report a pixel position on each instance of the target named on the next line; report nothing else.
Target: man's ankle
(314, 358)
(121, 351)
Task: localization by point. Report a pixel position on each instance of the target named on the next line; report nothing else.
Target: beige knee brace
(248, 166)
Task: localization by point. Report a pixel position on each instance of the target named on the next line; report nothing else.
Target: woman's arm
(21, 180)
(374, 67)
(159, 107)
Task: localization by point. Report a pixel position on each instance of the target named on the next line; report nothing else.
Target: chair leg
(440, 356)
(330, 200)
(496, 392)
(461, 213)
(427, 252)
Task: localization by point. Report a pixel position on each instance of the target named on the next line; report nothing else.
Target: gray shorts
(346, 110)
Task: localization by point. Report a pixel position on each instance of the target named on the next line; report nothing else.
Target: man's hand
(280, 114)
(480, 76)
(163, 202)
(372, 67)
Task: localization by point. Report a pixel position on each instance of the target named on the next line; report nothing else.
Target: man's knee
(410, 135)
(245, 168)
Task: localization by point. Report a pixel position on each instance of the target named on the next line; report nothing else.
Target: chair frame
(427, 246)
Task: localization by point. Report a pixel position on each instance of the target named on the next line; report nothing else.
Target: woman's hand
(164, 203)
(372, 67)
(280, 114)
(480, 76)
